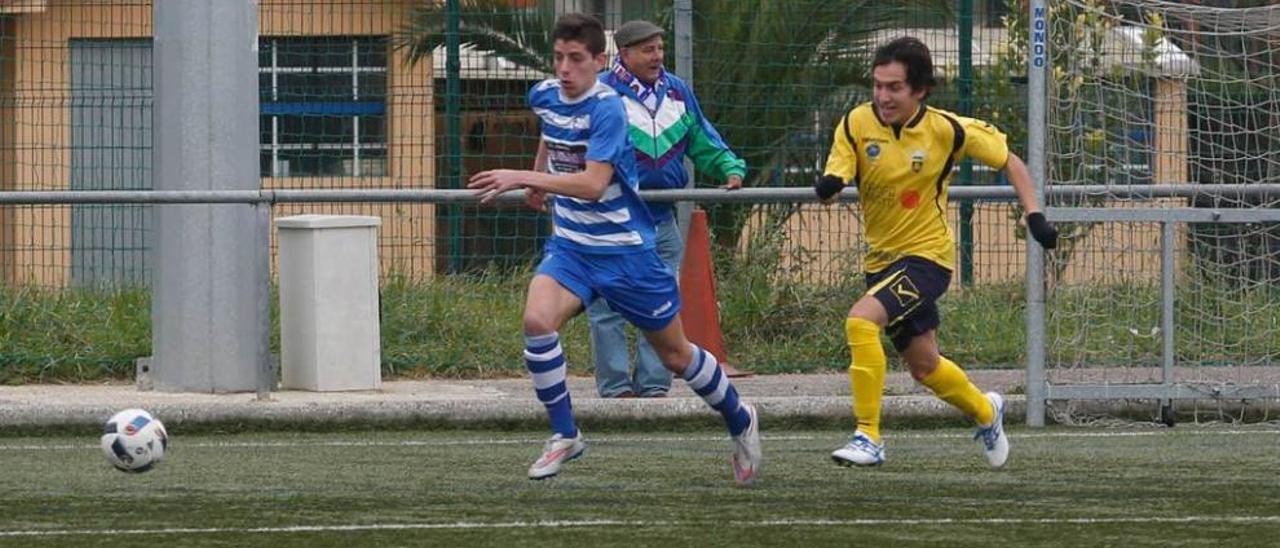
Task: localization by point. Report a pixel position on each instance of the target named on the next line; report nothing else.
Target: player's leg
(609, 350)
(868, 363)
(950, 383)
(867, 366)
(549, 304)
(915, 338)
(652, 377)
(945, 378)
(703, 374)
(644, 291)
(895, 298)
(701, 371)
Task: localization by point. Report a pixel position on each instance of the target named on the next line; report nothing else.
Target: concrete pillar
(206, 321)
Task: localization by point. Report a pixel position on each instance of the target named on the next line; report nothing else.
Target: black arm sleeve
(1042, 230)
(828, 186)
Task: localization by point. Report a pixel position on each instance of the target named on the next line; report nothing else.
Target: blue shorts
(638, 286)
(909, 289)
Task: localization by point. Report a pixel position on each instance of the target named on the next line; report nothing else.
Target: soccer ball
(134, 441)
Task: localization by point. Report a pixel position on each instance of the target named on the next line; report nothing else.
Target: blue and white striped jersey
(592, 126)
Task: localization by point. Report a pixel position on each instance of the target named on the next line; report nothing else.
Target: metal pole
(684, 69)
(1037, 73)
(1166, 301)
(757, 195)
(453, 127)
(204, 304)
(965, 106)
(266, 369)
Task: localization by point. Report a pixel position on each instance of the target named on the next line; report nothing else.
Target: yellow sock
(866, 374)
(950, 383)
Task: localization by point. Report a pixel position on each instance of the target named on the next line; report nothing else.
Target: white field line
(608, 523)
(646, 439)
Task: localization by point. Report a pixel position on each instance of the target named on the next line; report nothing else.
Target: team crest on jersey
(917, 161)
(873, 151)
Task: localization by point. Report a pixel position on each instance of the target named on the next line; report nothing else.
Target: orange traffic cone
(701, 310)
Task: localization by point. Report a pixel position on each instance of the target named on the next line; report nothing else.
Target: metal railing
(1040, 389)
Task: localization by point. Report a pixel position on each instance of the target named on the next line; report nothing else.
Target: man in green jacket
(666, 125)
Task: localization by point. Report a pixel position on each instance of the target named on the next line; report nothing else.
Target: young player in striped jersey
(900, 153)
(602, 246)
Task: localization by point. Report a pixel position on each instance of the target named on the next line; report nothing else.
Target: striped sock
(707, 379)
(545, 360)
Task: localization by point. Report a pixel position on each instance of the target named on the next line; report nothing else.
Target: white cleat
(746, 450)
(555, 453)
(995, 445)
(860, 451)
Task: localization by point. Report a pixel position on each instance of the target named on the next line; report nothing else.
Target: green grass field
(1189, 486)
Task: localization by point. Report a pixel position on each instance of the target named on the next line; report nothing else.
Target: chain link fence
(359, 94)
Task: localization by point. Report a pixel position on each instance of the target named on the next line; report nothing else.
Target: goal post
(1165, 300)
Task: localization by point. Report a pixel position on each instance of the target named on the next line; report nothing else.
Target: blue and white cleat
(860, 451)
(995, 445)
(557, 451)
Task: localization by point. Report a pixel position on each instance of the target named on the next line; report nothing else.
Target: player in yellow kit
(900, 153)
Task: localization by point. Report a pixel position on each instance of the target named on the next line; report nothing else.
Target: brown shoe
(733, 373)
(627, 394)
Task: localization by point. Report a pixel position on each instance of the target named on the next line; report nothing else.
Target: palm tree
(774, 74)
(770, 74)
(521, 35)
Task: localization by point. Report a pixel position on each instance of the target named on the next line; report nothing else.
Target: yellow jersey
(902, 174)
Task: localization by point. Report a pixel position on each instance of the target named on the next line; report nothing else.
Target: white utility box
(329, 325)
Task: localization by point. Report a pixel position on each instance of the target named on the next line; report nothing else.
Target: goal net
(1148, 92)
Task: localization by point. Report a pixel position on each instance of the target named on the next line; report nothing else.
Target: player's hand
(733, 183)
(490, 184)
(535, 199)
(1042, 230)
(828, 188)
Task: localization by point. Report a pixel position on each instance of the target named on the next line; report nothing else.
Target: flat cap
(634, 32)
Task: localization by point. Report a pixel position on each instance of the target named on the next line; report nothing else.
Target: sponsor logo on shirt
(567, 158)
(909, 199)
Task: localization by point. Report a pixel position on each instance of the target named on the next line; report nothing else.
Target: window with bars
(323, 106)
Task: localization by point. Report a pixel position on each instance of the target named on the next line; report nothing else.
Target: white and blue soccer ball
(134, 441)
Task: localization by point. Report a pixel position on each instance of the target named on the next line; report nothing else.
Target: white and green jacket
(671, 127)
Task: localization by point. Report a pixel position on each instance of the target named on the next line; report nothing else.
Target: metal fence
(347, 101)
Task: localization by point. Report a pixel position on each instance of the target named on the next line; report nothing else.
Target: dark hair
(914, 55)
(580, 27)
